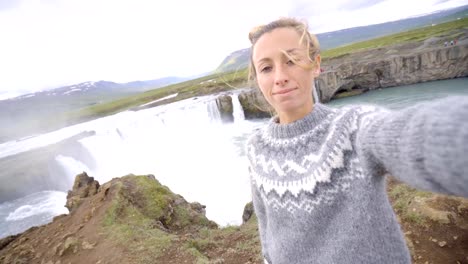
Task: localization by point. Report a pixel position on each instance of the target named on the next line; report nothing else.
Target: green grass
(150, 215)
(402, 196)
(415, 35)
(211, 238)
(140, 203)
(125, 221)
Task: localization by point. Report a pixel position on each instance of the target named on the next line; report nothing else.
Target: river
(185, 145)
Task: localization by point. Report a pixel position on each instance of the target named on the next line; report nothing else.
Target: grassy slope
(415, 35)
(237, 79)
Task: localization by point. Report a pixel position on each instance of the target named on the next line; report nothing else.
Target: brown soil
(432, 242)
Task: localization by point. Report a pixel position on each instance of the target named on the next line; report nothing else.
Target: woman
(318, 173)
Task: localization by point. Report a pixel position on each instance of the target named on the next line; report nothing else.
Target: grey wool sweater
(318, 184)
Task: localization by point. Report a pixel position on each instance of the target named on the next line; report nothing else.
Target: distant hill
(334, 39)
(140, 86)
(235, 61)
(240, 59)
(25, 114)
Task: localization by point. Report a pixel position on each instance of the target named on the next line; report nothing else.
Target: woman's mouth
(284, 91)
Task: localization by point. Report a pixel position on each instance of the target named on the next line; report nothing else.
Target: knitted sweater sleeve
(425, 145)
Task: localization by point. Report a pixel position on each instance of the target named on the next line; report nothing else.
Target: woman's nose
(281, 78)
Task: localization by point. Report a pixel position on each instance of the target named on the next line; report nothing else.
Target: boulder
(83, 187)
(248, 212)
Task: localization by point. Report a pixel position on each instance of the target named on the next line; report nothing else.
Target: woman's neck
(292, 116)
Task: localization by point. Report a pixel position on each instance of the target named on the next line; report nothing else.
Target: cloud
(339, 14)
(303, 8)
(48, 43)
(60, 42)
(9, 4)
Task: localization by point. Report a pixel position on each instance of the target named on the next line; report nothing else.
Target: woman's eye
(266, 69)
(290, 62)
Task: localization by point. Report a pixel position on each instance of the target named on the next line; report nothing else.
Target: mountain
(28, 114)
(101, 88)
(240, 59)
(235, 61)
(152, 84)
(334, 39)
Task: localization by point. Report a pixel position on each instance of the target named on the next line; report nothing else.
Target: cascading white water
(237, 110)
(213, 111)
(71, 167)
(186, 147)
(184, 144)
(35, 209)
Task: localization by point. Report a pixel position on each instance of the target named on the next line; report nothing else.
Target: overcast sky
(50, 43)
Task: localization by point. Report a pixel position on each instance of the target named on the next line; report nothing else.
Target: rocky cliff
(394, 66)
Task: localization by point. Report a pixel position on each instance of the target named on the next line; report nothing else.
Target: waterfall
(184, 144)
(238, 111)
(213, 111)
(316, 93)
(71, 167)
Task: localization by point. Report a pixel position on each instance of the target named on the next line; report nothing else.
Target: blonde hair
(308, 39)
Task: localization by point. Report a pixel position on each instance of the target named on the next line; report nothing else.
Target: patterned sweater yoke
(318, 184)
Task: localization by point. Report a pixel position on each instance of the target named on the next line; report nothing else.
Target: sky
(51, 43)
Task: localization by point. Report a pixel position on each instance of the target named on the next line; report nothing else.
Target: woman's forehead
(276, 42)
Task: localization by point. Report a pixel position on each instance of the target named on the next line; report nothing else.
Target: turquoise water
(407, 95)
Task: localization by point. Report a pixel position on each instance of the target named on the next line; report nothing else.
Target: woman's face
(285, 85)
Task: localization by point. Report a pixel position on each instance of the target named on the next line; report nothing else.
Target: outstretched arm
(425, 145)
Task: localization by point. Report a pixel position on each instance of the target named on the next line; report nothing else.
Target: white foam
(47, 202)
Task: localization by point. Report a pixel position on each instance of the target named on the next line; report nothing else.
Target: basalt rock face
(387, 68)
(224, 103)
(254, 105)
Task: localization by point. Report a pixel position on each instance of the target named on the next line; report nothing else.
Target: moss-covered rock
(143, 201)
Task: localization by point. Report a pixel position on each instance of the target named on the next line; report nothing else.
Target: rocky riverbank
(135, 219)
